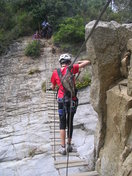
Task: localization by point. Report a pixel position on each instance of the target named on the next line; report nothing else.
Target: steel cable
(69, 130)
(91, 32)
(71, 65)
(54, 130)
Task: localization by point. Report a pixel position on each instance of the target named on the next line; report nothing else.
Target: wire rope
(54, 130)
(70, 66)
(91, 32)
(69, 130)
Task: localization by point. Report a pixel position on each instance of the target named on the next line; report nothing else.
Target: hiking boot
(69, 148)
(62, 150)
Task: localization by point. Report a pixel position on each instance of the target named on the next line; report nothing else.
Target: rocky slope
(24, 131)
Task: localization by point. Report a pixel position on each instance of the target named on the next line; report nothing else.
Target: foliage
(33, 71)
(32, 152)
(71, 30)
(33, 49)
(123, 10)
(84, 82)
(24, 23)
(71, 47)
(23, 17)
(44, 86)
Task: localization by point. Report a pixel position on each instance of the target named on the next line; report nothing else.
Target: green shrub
(32, 152)
(71, 30)
(84, 82)
(24, 24)
(33, 49)
(33, 71)
(44, 86)
(66, 47)
(71, 47)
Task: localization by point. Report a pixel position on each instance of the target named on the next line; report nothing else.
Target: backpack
(67, 81)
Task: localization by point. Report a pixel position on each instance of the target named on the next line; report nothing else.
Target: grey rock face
(105, 49)
(24, 130)
(23, 122)
(86, 119)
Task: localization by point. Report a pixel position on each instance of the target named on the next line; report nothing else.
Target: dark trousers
(66, 114)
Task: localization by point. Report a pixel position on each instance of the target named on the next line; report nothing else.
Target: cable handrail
(91, 32)
(71, 65)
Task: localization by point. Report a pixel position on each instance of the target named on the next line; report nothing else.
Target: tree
(23, 17)
(123, 8)
(71, 30)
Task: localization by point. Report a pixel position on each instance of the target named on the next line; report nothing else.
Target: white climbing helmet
(64, 58)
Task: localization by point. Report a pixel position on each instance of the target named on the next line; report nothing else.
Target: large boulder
(115, 155)
(105, 48)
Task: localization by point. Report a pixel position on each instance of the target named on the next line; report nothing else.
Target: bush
(33, 49)
(84, 82)
(24, 24)
(44, 86)
(33, 71)
(71, 48)
(71, 30)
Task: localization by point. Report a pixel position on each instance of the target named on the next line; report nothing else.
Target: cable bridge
(70, 164)
(73, 159)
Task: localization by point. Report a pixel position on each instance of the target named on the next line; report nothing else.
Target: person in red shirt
(66, 113)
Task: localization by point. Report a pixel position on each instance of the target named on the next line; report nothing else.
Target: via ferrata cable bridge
(75, 163)
(72, 159)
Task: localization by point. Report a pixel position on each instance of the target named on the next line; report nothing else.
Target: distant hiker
(46, 30)
(36, 35)
(66, 105)
(44, 23)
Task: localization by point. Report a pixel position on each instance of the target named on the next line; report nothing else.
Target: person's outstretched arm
(52, 87)
(83, 63)
(53, 81)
